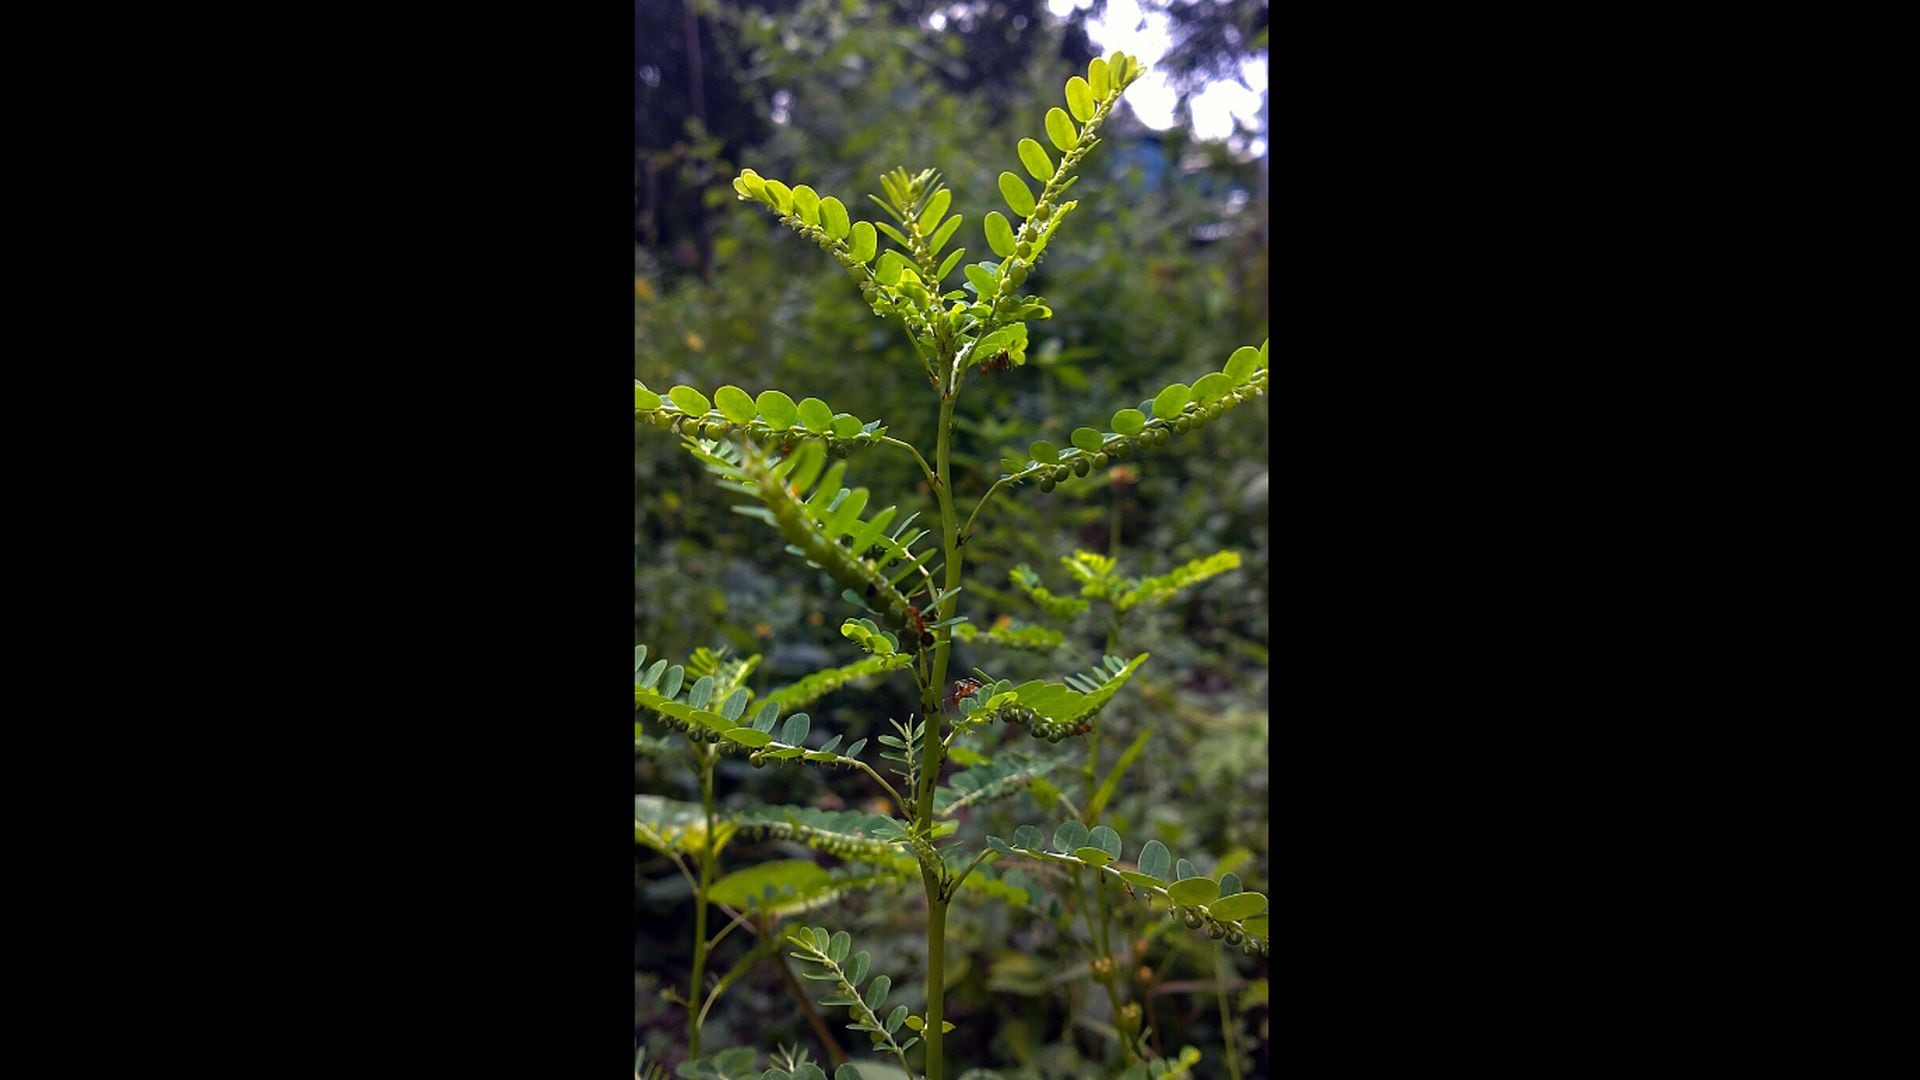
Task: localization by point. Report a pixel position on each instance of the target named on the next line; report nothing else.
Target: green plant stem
(925, 469)
(933, 748)
(700, 907)
(1129, 1030)
(1097, 945)
(968, 872)
(899, 803)
(936, 985)
(1226, 1012)
(997, 484)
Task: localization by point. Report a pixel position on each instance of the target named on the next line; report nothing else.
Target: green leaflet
(1060, 130)
(1033, 638)
(864, 241)
(1060, 607)
(1053, 711)
(1177, 409)
(1155, 590)
(828, 955)
(1010, 772)
(833, 217)
(1080, 99)
(1239, 917)
(846, 834)
(999, 233)
(821, 683)
(823, 220)
(769, 420)
(1038, 164)
(811, 526)
(1018, 195)
(726, 725)
(936, 208)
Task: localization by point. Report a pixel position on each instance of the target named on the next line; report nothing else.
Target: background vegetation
(1160, 275)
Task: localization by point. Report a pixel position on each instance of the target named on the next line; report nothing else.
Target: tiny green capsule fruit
(1161, 436)
(1214, 930)
(1214, 410)
(1182, 425)
(1099, 461)
(1019, 275)
(1046, 484)
(1060, 473)
(661, 420)
(1043, 212)
(1123, 450)
(1235, 937)
(1249, 948)
(1023, 249)
(1082, 466)
(1193, 919)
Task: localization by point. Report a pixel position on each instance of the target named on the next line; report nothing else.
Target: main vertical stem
(700, 908)
(950, 548)
(934, 878)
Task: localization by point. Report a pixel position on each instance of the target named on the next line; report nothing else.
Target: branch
(967, 530)
(964, 874)
(927, 470)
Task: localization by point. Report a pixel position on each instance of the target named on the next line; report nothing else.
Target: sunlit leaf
(1080, 99)
(833, 217)
(1060, 130)
(999, 233)
(863, 241)
(1036, 160)
(1017, 193)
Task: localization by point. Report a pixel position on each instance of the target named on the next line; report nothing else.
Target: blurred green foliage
(1161, 273)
